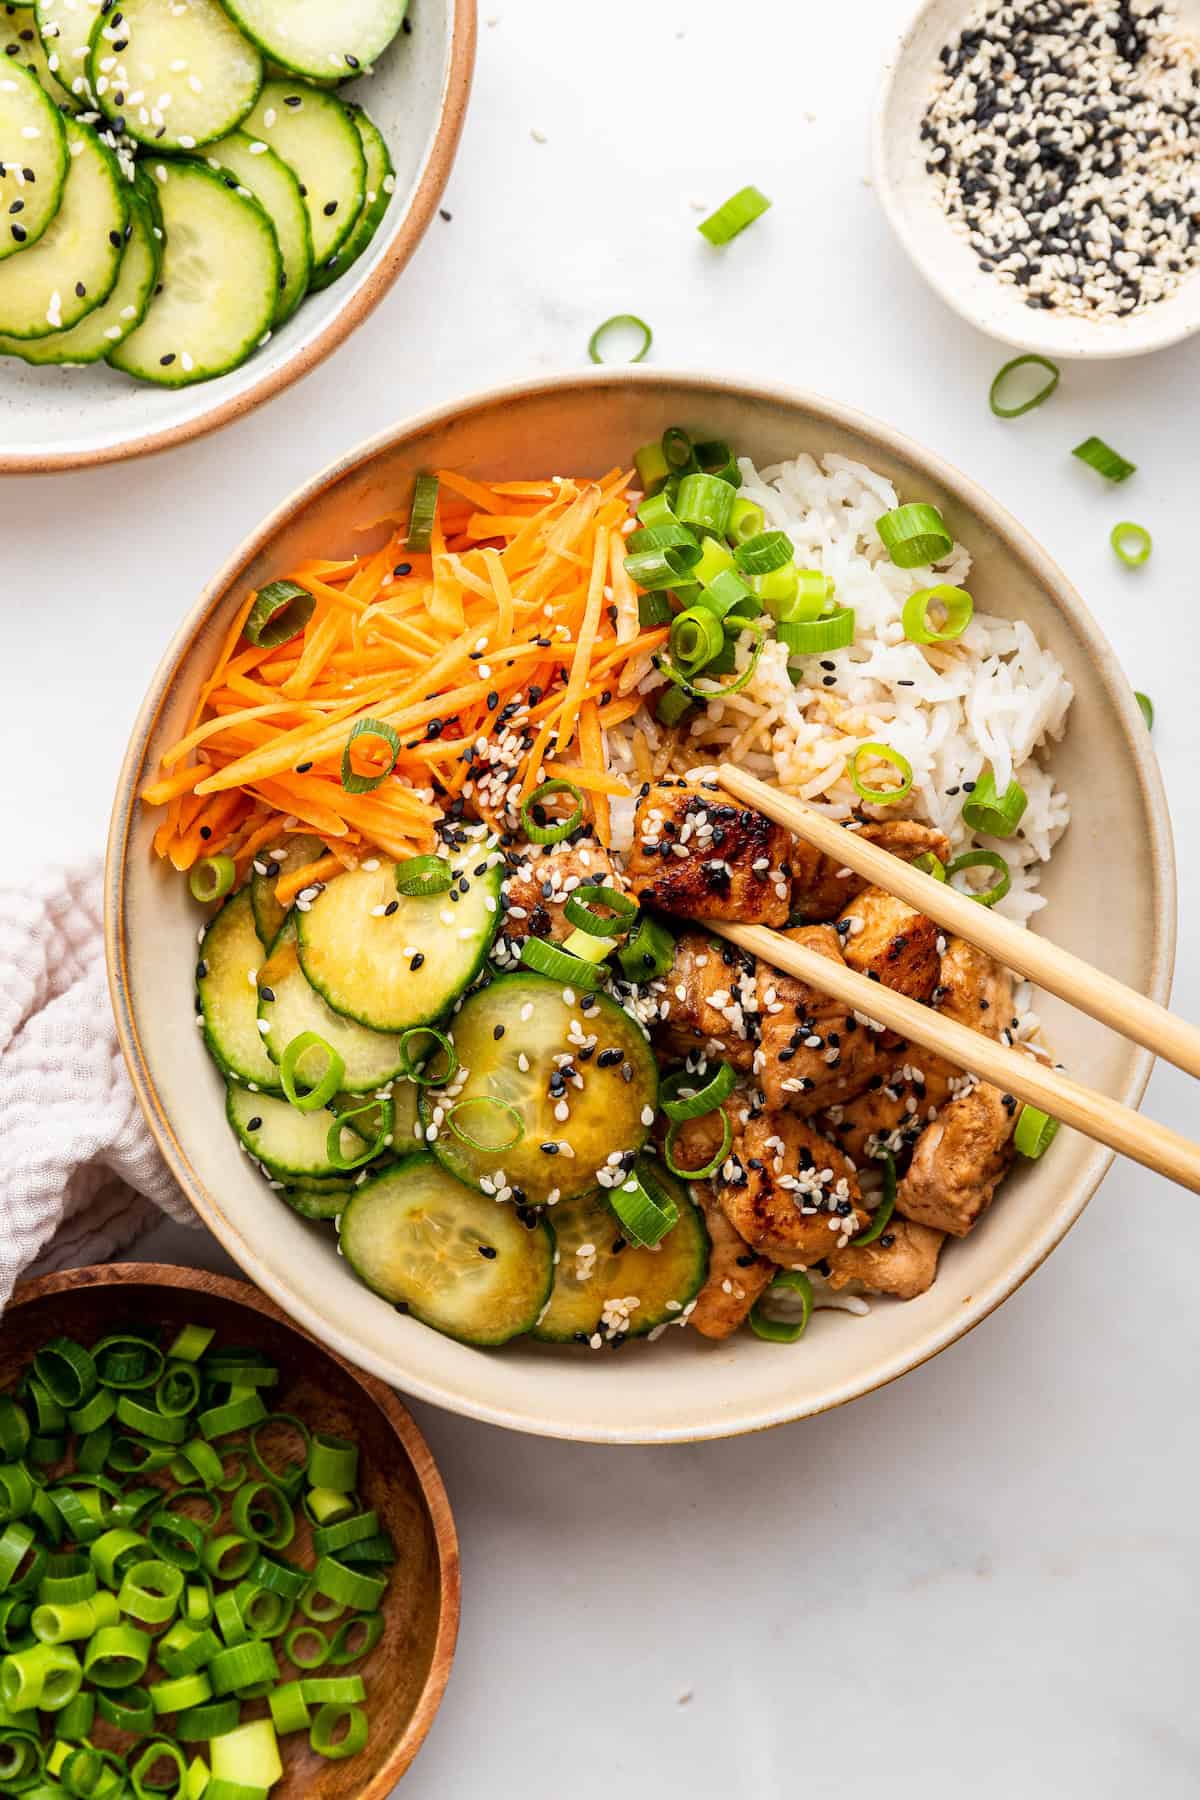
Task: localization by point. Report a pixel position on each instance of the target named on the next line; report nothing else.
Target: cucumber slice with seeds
(256, 168)
(74, 265)
(218, 286)
(230, 955)
(311, 37)
(99, 332)
(65, 28)
(381, 185)
(314, 134)
(286, 1140)
(457, 1260)
(391, 970)
(528, 1017)
(268, 913)
(596, 1264)
(33, 169)
(20, 41)
(288, 1006)
(173, 74)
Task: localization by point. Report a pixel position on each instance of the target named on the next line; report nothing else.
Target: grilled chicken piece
(892, 942)
(812, 1052)
(960, 1160)
(820, 889)
(736, 1276)
(697, 854)
(795, 1197)
(541, 880)
(973, 989)
(712, 997)
(902, 1261)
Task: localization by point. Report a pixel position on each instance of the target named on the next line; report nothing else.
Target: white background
(982, 1579)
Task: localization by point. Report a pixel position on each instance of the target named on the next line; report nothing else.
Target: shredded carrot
(294, 881)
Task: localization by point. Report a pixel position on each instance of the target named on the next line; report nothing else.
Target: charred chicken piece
(822, 887)
(902, 1261)
(698, 855)
(790, 1193)
(812, 1052)
(541, 880)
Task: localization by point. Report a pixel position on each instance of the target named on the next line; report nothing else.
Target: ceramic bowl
(677, 1388)
(407, 1671)
(53, 418)
(944, 258)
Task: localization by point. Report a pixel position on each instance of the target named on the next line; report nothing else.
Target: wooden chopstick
(1096, 1115)
(1057, 970)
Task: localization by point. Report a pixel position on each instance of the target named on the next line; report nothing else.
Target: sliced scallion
(321, 1092)
(876, 796)
(619, 326)
(422, 513)
(761, 554)
(1146, 708)
(1035, 1132)
(414, 1063)
(696, 637)
(418, 877)
(655, 571)
(680, 1098)
(706, 1169)
(914, 534)
(994, 814)
(809, 637)
(650, 952)
(706, 502)
(776, 1330)
(463, 1118)
(652, 466)
(579, 910)
(646, 1212)
(560, 965)
(536, 829)
(352, 781)
(280, 612)
(1005, 380)
(957, 608)
(733, 216)
(982, 859)
(871, 1233)
(212, 878)
(1104, 459)
(1132, 543)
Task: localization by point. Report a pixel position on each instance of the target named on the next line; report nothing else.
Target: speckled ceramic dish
(945, 259)
(52, 418)
(679, 1388)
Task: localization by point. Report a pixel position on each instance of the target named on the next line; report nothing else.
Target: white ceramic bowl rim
(1158, 851)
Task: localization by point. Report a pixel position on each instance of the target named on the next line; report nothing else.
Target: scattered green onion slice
(491, 1104)
(714, 690)
(650, 952)
(352, 781)
(706, 502)
(670, 566)
(955, 602)
(871, 1233)
(578, 910)
(1132, 543)
(996, 815)
(716, 458)
(1146, 708)
(708, 1168)
(783, 1331)
(808, 637)
(1003, 377)
(881, 753)
(700, 1100)
(669, 534)
(420, 876)
(1100, 456)
(746, 520)
(422, 513)
(211, 878)
(620, 322)
(338, 1732)
(914, 535)
(322, 1092)
(982, 859)
(673, 704)
(560, 965)
(929, 864)
(760, 555)
(645, 1211)
(281, 611)
(652, 467)
(1035, 1132)
(696, 637)
(540, 833)
(724, 591)
(415, 1064)
(677, 449)
(740, 210)
(654, 609)
(371, 1149)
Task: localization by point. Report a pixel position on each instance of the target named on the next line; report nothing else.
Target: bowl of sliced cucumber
(201, 199)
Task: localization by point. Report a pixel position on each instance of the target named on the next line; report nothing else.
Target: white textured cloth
(80, 1174)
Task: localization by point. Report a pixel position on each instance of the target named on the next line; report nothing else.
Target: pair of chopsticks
(1110, 1001)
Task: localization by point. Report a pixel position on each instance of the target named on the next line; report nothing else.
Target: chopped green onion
(710, 1167)
(620, 323)
(1003, 379)
(777, 1330)
(1132, 543)
(914, 535)
(871, 1233)
(650, 951)
(211, 878)
(1035, 1132)
(1100, 456)
(1146, 708)
(289, 1709)
(669, 535)
(338, 1732)
(370, 1150)
(420, 876)
(996, 815)
(705, 501)
(352, 781)
(578, 910)
(280, 612)
(590, 949)
(680, 1098)
(696, 637)
(716, 458)
(982, 859)
(535, 828)
(645, 1216)
(779, 592)
(423, 513)
(929, 864)
(323, 1090)
(190, 1343)
(554, 961)
(809, 637)
(731, 218)
(760, 555)
(880, 753)
(117, 1657)
(717, 690)
(746, 520)
(414, 1066)
(491, 1104)
(654, 609)
(716, 560)
(652, 467)
(672, 706)
(956, 604)
(677, 449)
(655, 571)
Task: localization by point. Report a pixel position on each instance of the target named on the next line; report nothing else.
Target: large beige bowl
(1118, 910)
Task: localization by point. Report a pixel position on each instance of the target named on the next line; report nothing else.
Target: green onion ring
(289, 1709)
(1035, 1132)
(415, 1070)
(733, 215)
(882, 753)
(761, 555)
(578, 910)
(562, 828)
(323, 1737)
(996, 815)
(495, 1105)
(696, 637)
(645, 1211)
(217, 1718)
(677, 449)
(810, 637)
(929, 864)
(560, 965)
(262, 1513)
(654, 610)
(295, 1643)
(211, 878)
(654, 571)
(1104, 459)
(982, 859)
(702, 1100)
(780, 1331)
(709, 1168)
(332, 1461)
(1043, 393)
(158, 1750)
(705, 501)
(619, 322)
(66, 1370)
(668, 534)
(280, 612)
(716, 458)
(422, 513)
(344, 1121)
(1146, 708)
(177, 1391)
(420, 876)
(914, 535)
(958, 606)
(1132, 543)
(342, 1652)
(650, 951)
(352, 781)
(126, 1361)
(873, 1231)
(330, 1081)
(747, 520)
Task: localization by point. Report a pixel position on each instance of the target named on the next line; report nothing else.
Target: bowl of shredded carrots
(435, 630)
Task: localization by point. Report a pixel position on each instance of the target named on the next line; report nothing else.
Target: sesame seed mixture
(1063, 139)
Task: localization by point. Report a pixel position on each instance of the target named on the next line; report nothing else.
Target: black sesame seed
(329, 208)
(206, 832)
(254, 1124)
(266, 993)
(488, 1250)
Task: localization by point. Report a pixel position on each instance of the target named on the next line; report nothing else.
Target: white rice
(993, 697)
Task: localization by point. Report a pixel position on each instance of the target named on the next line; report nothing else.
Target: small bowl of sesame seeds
(1039, 160)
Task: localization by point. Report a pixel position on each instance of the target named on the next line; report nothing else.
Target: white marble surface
(984, 1578)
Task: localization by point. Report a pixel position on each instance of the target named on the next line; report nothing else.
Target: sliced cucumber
(289, 1006)
(73, 267)
(65, 28)
(288, 1141)
(316, 1200)
(311, 37)
(98, 333)
(361, 958)
(368, 1118)
(316, 137)
(381, 185)
(33, 171)
(230, 955)
(592, 1271)
(268, 913)
(19, 40)
(459, 1261)
(218, 286)
(255, 167)
(173, 74)
(528, 1019)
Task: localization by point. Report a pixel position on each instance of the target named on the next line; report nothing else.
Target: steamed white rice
(993, 697)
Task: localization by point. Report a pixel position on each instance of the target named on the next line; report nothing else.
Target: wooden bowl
(1116, 910)
(407, 1671)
